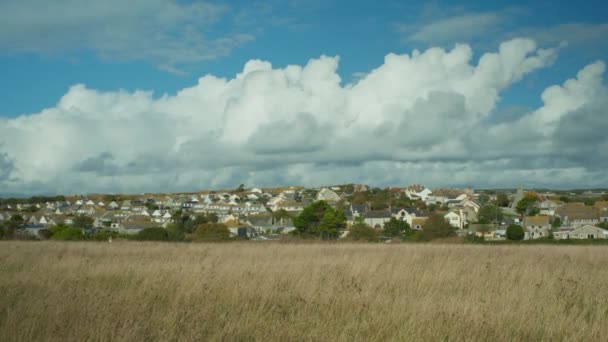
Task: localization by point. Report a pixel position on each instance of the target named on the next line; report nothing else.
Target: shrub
(515, 232)
(212, 232)
(152, 234)
(68, 233)
(104, 235)
(473, 238)
(363, 232)
(437, 227)
(45, 234)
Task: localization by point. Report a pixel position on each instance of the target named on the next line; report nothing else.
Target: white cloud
(459, 28)
(167, 33)
(416, 118)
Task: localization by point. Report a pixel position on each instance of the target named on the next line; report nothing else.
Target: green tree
(396, 228)
(83, 222)
(483, 198)
(557, 222)
(502, 200)
(176, 232)
(319, 219)
(240, 188)
(212, 232)
(564, 199)
(63, 232)
(515, 232)
(362, 232)
(437, 227)
(331, 224)
(526, 206)
(489, 213)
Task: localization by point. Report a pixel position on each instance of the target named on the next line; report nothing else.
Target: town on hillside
(272, 213)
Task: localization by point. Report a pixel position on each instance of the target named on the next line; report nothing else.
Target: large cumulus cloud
(419, 117)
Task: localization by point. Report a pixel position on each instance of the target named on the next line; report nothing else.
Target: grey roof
(360, 208)
(378, 214)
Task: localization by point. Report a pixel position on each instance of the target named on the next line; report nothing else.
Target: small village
(268, 213)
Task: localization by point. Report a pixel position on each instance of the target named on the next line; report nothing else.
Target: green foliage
(414, 236)
(83, 222)
(396, 228)
(45, 234)
(515, 232)
(319, 219)
(152, 234)
(473, 238)
(188, 223)
(152, 206)
(362, 232)
(280, 214)
(212, 232)
(240, 188)
(557, 222)
(484, 198)
(176, 232)
(502, 200)
(589, 202)
(331, 224)
(104, 235)
(489, 213)
(526, 206)
(437, 227)
(564, 199)
(64, 232)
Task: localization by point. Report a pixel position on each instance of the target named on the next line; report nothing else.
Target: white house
(327, 195)
(455, 218)
(584, 232)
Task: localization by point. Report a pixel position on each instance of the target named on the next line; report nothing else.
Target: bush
(68, 233)
(152, 234)
(104, 235)
(45, 234)
(212, 232)
(515, 232)
(473, 238)
(363, 232)
(437, 227)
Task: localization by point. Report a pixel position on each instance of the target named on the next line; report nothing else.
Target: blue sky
(72, 75)
(360, 32)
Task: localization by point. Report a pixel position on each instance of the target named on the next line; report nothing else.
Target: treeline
(31, 200)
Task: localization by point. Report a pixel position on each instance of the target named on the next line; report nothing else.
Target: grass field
(288, 292)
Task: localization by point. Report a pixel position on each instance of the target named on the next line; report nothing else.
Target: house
(290, 206)
(537, 226)
(574, 215)
(418, 223)
(133, 227)
(547, 207)
(256, 191)
(268, 224)
(584, 232)
(417, 192)
(408, 214)
(377, 218)
(455, 218)
(328, 195)
(33, 229)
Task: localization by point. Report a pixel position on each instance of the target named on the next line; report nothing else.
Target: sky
(175, 95)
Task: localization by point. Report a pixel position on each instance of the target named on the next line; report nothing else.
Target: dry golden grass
(180, 292)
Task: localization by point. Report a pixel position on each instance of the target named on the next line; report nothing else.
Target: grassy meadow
(125, 291)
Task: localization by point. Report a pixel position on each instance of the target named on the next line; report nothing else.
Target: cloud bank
(166, 33)
(419, 117)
